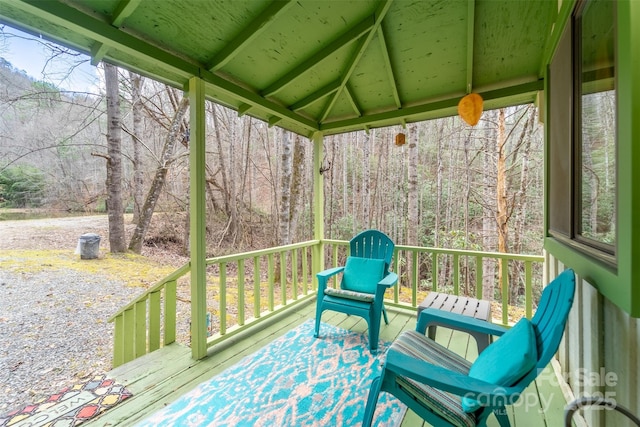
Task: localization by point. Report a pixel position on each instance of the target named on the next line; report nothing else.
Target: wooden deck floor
(159, 378)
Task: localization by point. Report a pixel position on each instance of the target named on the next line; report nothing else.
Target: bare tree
(115, 209)
(138, 173)
(172, 139)
(285, 187)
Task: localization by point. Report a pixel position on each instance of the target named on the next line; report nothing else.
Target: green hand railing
(236, 285)
(247, 288)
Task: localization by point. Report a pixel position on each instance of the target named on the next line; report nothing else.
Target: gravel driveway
(53, 322)
(54, 331)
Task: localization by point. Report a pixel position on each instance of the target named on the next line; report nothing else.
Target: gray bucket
(89, 246)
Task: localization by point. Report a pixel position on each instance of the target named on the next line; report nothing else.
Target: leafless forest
(450, 185)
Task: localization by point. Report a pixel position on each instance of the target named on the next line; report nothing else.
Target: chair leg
(372, 401)
(318, 317)
(384, 313)
(503, 418)
(374, 332)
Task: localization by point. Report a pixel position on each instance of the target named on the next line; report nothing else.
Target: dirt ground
(63, 234)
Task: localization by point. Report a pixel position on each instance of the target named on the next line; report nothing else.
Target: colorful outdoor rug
(297, 380)
(71, 406)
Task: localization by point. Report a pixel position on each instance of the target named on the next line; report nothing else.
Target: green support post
(318, 203)
(197, 212)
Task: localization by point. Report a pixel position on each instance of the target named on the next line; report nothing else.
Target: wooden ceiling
(315, 65)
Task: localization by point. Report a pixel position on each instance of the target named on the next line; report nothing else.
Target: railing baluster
(170, 306)
(334, 263)
(140, 340)
(223, 298)
(271, 280)
(256, 287)
(283, 278)
(305, 270)
(504, 269)
(394, 268)
(415, 279)
(528, 290)
(456, 274)
(294, 274)
(241, 292)
(479, 273)
(434, 271)
(118, 341)
(154, 321)
(129, 335)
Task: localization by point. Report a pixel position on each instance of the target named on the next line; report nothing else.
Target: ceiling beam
(354, 33)
(248, 34)
(471, 20)
(389, 67)
(355, 59)
(352, 101)
(417, 112)
(124, 9)
(316, 96)
(119, 41)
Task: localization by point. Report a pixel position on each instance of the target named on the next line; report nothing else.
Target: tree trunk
(412, 175)
(520, 201)
(172, 138)
(115, 210)
(138, 173)
(285, 188)
(366, 185)
(488, 213)
(502, 205)
(297, 185)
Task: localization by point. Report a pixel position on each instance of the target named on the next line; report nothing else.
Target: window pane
(598, 118)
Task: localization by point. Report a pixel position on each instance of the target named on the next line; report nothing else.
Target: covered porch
(323, 68)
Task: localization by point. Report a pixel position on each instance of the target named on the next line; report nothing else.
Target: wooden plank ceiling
(315, 65)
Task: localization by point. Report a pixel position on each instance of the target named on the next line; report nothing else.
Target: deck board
(161, 377)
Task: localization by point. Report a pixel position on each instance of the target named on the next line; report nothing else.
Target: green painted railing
(148, 320)
(244, 289)
(459, 272)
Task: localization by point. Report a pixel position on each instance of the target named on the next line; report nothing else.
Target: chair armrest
(389, 280)
(325, 274)
(450, 381)
(435, 317)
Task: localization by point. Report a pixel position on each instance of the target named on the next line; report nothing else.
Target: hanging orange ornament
(470, 108)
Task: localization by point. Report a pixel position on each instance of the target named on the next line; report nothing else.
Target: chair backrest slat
(373, 244)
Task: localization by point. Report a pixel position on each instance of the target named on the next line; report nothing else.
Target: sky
(30, 54)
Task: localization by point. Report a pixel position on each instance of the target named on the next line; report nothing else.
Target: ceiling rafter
(104, 33)
(348, 93)
(244, 109)
(316, 96)
(471, 15)
(389, 67)
(353, 62)
(122, 11)
(388, 118)
(345, 39)
(248, 34)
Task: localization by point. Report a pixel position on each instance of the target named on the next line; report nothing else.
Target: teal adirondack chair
(447, 390)
(365, 278)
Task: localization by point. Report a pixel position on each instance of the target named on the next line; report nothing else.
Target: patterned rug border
(71, 406)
